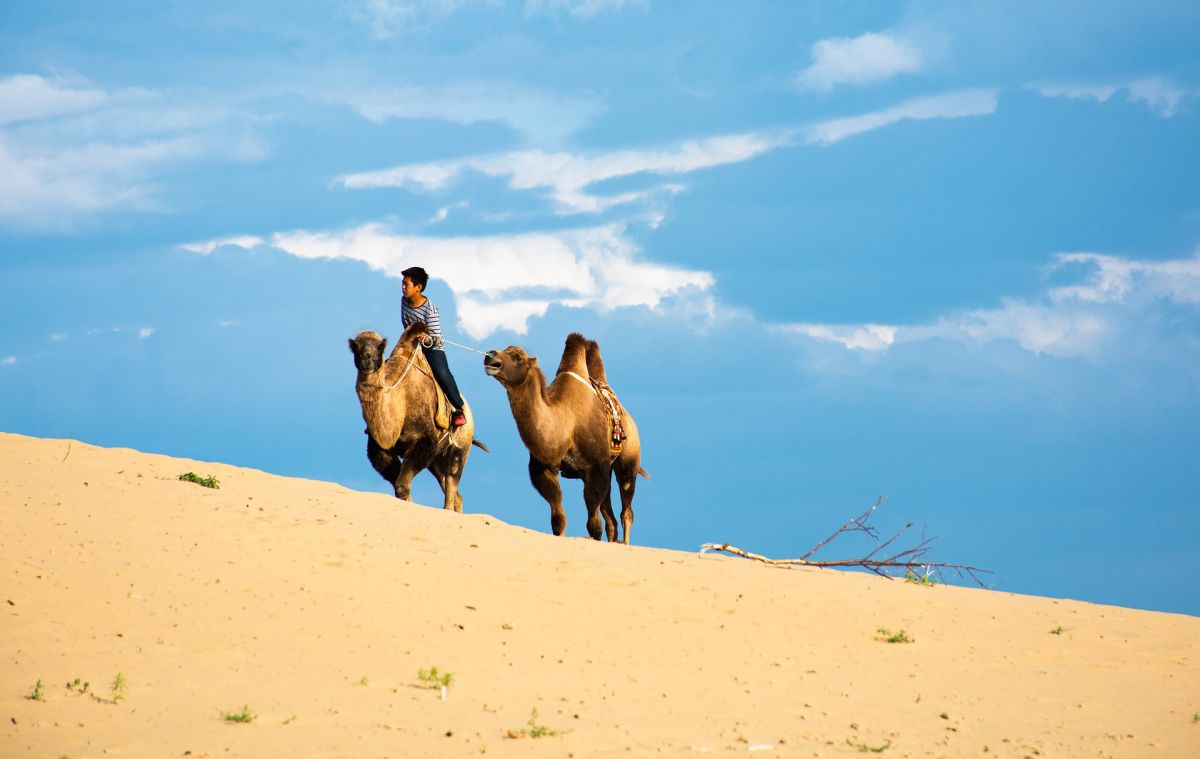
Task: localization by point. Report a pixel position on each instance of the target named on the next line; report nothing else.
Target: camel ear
(353, 346)
(533, 360)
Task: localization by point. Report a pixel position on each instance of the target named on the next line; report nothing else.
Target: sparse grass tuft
(1195, 717)
(208, 482)
(36, 694)
(872, 749)
(364, 680)
(118, 687)
(431, 678)
(534, 730)
(245, 715)
(927, 579)
(79, 686)
(1057, 631)
(887, 636)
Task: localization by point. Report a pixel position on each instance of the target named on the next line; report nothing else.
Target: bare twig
(908, 559)
(859, 520)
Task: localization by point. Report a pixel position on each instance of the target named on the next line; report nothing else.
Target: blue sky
(945, 252)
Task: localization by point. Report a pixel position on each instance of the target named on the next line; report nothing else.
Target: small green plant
(534, 730)
(290, 720)
(1195, 717)
(118, 687)
(927, 579)
(245, 715)
(887, 636)
(1057, 631)
(79, 686)
(208, 482)
(872, 749)
(363, 681)
(36, 694)
(434, 679)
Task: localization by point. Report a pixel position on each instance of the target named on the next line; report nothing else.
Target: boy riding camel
(417, 308)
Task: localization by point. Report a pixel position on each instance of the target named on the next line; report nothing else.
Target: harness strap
(589, 384)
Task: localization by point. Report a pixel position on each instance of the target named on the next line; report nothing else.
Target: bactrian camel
(566, 427)
(399, 400)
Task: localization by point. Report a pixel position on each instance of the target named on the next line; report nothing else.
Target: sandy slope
(316, 605)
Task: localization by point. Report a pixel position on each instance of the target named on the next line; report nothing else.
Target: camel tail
(643, 472)
(481, 444)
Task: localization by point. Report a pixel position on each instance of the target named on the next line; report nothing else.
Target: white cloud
(871, 57)
(579, 8)
(567, 176)
(949, 105)
(544, 118)
(501, 281)
(8, 361)
(391, 18)
(208, 246)
(145, 332)
(1157, 93)
(866, 337)
(58, 337)
(1081, 320)
(1098, 92)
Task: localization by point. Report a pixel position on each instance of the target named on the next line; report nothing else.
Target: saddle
(441, 415)
(608, 396)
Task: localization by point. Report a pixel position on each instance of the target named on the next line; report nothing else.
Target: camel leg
(610, 520)
(595, 495)
(403, 482)
(387, 464)
(448, 474)
(627, 482)
(545, 482)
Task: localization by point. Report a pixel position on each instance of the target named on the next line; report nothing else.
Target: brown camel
(399, 398)
(566, 428)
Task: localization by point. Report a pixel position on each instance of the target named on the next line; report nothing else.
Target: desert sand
(314, 607)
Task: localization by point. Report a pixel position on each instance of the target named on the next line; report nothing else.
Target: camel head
(368, 348)
(510, 366)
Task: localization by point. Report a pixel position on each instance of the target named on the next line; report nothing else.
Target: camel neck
(539, 430)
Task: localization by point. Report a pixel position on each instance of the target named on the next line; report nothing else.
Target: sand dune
(315, 606)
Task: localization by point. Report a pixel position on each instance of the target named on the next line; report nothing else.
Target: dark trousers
(441, 372)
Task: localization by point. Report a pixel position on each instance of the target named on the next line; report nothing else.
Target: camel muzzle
(491, 364)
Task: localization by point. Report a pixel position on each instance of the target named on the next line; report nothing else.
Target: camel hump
(573, 357)
(411, 334)
(595, 364)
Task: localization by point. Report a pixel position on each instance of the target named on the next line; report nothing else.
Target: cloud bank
(1111, 298)
(500, 282)
(564, 177)
(1156, 93)
(69, 150)
(949, 105)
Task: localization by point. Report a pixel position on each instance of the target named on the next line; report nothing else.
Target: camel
(566, 428)
(398, 398)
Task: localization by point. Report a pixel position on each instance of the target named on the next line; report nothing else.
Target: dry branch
(908, 559)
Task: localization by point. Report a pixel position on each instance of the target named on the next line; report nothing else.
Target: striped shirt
(426, 312)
